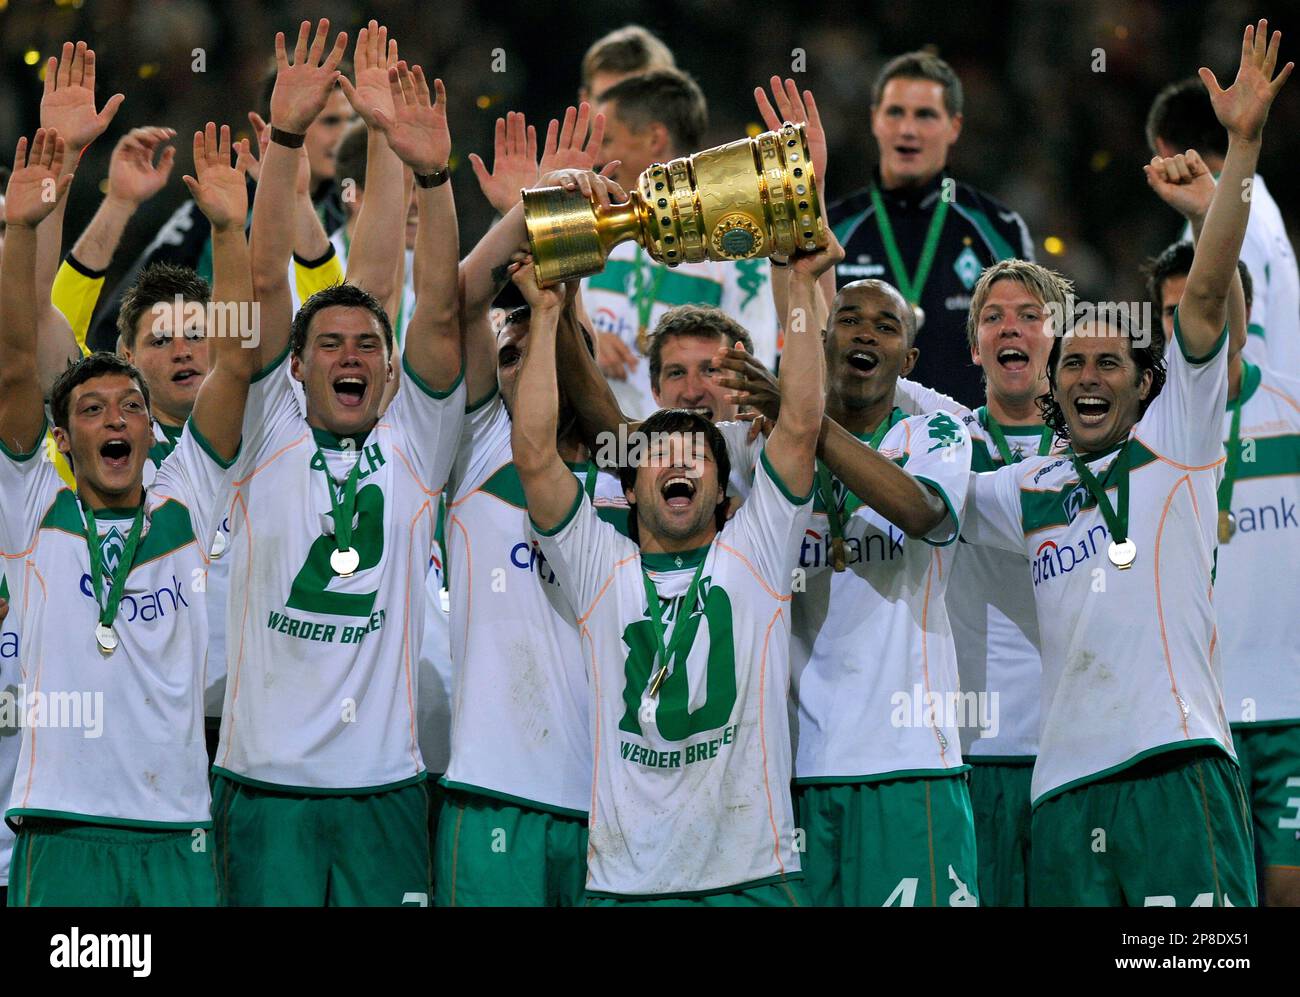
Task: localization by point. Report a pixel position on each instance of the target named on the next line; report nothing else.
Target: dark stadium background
(1043, 132)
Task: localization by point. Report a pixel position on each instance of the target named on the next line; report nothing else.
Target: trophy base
(562, 235)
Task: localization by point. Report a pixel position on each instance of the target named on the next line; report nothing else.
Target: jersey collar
(911, 197)
(1250, 378)
(328, 441)
(675, 561)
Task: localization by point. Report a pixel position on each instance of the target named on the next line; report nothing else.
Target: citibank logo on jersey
(529, 557)
(1052, 560)
(815, 551)
(145, 606)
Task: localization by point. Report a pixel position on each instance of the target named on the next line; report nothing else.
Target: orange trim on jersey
(605, 586)
(762, 735)
(233, 688)
(416, 758)
(595, 767)
(1160, 605)
(1173, 463)
(1281, 394)
(36, 687)
(468, 561)
(434, 493)
(757, 577)
(269, 461)
(36, 537)
(478, 488)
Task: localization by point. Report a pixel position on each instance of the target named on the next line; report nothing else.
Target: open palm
(219, 190)
(514, 162)
(68, 101)
(375, 54)
(303, 87)
(417, 132)
(1243, 108)
(35, 186)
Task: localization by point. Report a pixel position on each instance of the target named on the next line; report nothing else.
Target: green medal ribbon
(343, 508)
(910, 288)
(1000, 437)
(1227, 525)
(666, 649)
(108, 609)
(826, 491)
(646, 293)
(1116, 517)
(589, 485)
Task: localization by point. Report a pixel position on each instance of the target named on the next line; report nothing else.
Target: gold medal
(657, 682)
(837, 553)
(1227, 526)
(643, 341)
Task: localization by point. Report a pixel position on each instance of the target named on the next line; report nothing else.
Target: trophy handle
(570, 237)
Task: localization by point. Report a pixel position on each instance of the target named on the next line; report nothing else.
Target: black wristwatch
(435, 179)
(290, 140)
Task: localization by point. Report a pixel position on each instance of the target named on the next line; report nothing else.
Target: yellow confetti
(1054, 245)
(31, 57)
(147, 70)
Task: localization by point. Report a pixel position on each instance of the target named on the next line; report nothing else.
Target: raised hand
(569, 146)
(1183, 182)
(376, 52)
(219, 190)
(133, 176)
(68, 102)
(37, 184)
(514, 162)
(417, 130)
(1243, 108)
(817, 262)
(791, 107)
(303, 87)
(749, 381)
(595, 187)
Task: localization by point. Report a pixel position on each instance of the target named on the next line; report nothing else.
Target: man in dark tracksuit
(921, 230)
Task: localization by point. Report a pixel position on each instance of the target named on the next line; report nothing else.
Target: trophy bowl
(755, 197)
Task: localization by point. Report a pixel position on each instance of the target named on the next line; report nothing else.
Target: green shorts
(899, 843)
(787, 893)
(999, 796)
(491, 853)
(65, 864)
(1270, 770)
(1171, 831)
(280, 849)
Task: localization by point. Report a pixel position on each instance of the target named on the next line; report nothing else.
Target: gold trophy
(755, 197)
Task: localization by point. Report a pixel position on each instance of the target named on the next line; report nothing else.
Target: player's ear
(62, 440)
(909, 361)
(295, 367)
(1145, 380)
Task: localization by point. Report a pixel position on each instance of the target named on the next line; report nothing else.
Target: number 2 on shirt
(309, 590)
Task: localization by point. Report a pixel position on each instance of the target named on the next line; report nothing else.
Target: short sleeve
(582, 551)
(915, 398)
(742, 453)
(1184, 423)
(197, 477)
(429, 422)
(769, 527)
(992, 516)
(484, 436)
(272, 414)
(937, 452)
(29, 484)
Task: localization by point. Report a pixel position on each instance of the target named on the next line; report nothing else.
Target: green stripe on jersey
(675, 287)
(169, 526)
(1040, 510)
(1272, 456)
(985, 227)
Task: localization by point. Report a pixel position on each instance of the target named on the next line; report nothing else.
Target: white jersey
(321, 690)
(691, 792)
(1274, 339)
(1130, 657)
(891, 711)
(991, 605)
(117, 739)
(433, 704)
(519, 704)
(405, 307)
(10, 742)
(1255, 591)
(631, 282)
(218, 579)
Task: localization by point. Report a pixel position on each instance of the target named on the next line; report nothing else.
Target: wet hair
(85, 369)
(1150, 357)
(339, 296)
(699, 322)
(678, 420)
(921, 66)
(159, 282)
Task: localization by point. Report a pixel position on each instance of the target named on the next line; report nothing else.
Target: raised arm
(221, 192)
(483, 273)
(792, 448)
(550, 488)
(37, 185)
(417, 132)
(301, 90)
(1186, 184)
(379, 243)
(1242, 109)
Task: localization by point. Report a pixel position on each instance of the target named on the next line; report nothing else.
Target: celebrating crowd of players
(366, 591)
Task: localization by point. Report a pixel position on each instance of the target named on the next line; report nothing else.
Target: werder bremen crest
(111, 549)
